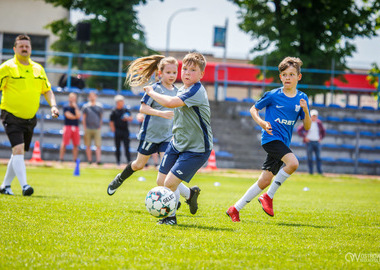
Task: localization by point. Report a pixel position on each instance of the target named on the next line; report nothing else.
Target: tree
(112, 22)
(320, 32)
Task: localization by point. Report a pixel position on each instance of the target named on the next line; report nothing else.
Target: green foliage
(71, 223)
(374, 74)
(112, 22)
(316, 31)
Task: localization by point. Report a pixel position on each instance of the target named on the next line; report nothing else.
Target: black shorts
(17, 129)
(275, 150)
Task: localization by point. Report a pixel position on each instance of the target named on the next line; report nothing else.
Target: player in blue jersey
(156, 129)
(283, 108)
(192, 139)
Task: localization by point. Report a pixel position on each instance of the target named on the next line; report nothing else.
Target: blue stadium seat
(367, 133)
(108, 134)
(249, 100)
(50, 146)
(333, 119)
(89, 90)
(330, 145)
(133, 136)
(54, 131)
(332, 132)
(336, 106)
(127, 93)
(349, 133)
(366, 147)
(327, 159)
(318, 105)
(364, 161)
(347, 146)
(352, 107)
(367, 121)
(350, 120)
(368, 108)
(5, 143)
(224, 154)
(63, 103)
(106, 106)
(106, 148)
(345, 160)
(72, 90)
(135, 108)
(296, 144)
(109, 92)
(215, 140)
(231, 99)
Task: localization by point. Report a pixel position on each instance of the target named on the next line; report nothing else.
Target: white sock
(10, 174)
(251, 193)
(184, 191)
(277, 182)
(18, 165)
(176, 193)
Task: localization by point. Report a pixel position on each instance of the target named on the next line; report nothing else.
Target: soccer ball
(160, 202)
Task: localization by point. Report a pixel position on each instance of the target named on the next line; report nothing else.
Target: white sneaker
(6, 190)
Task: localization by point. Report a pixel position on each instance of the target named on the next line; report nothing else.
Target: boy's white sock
(18, 165)
(176, 193)
(184, 191)
(277, 182)
(10, 174)
(251, 193)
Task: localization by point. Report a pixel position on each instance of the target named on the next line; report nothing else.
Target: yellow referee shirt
(22, 87)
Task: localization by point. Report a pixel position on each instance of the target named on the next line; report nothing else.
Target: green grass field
(71, 222)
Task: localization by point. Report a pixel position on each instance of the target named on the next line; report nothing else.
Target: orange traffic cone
(36, 156)
(211, 165)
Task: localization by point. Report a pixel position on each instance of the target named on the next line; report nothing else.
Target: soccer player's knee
(138, 166)
(293, 165)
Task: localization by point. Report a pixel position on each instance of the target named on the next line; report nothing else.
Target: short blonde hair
(195, 58)
(290, 62)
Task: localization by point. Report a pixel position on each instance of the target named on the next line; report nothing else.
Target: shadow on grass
(304, 225)
(186, 226)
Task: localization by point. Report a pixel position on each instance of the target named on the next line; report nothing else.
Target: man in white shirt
(312, 138)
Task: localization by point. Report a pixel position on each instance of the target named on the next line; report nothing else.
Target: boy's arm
(307, 119)
(164, 100)
(146, 109)
(263, 124)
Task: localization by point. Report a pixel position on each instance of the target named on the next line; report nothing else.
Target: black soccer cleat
(27, 190)
(179, 205)
(168, 221)
(193, 200)
(112, 187)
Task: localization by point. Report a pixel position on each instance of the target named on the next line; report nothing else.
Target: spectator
(119, 118)
(313, 138)
(92, 124)
(22, 81)
(72, 114)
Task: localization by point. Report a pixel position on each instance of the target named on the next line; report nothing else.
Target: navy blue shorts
(184, 165)
(148, 148)
(275, 150)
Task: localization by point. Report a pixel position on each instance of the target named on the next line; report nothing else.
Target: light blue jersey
(282, 112)
(191, 127)
(156, 129)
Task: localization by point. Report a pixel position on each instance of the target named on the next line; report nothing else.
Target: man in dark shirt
(119, 118)
(71, 127)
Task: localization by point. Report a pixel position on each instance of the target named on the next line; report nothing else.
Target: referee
(22, 82)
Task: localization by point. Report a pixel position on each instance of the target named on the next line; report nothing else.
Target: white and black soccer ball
(160, 202)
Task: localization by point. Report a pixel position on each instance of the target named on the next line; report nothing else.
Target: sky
(193, 30)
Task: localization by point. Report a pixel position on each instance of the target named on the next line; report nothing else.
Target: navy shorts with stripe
(149, 148)
(184, 165)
